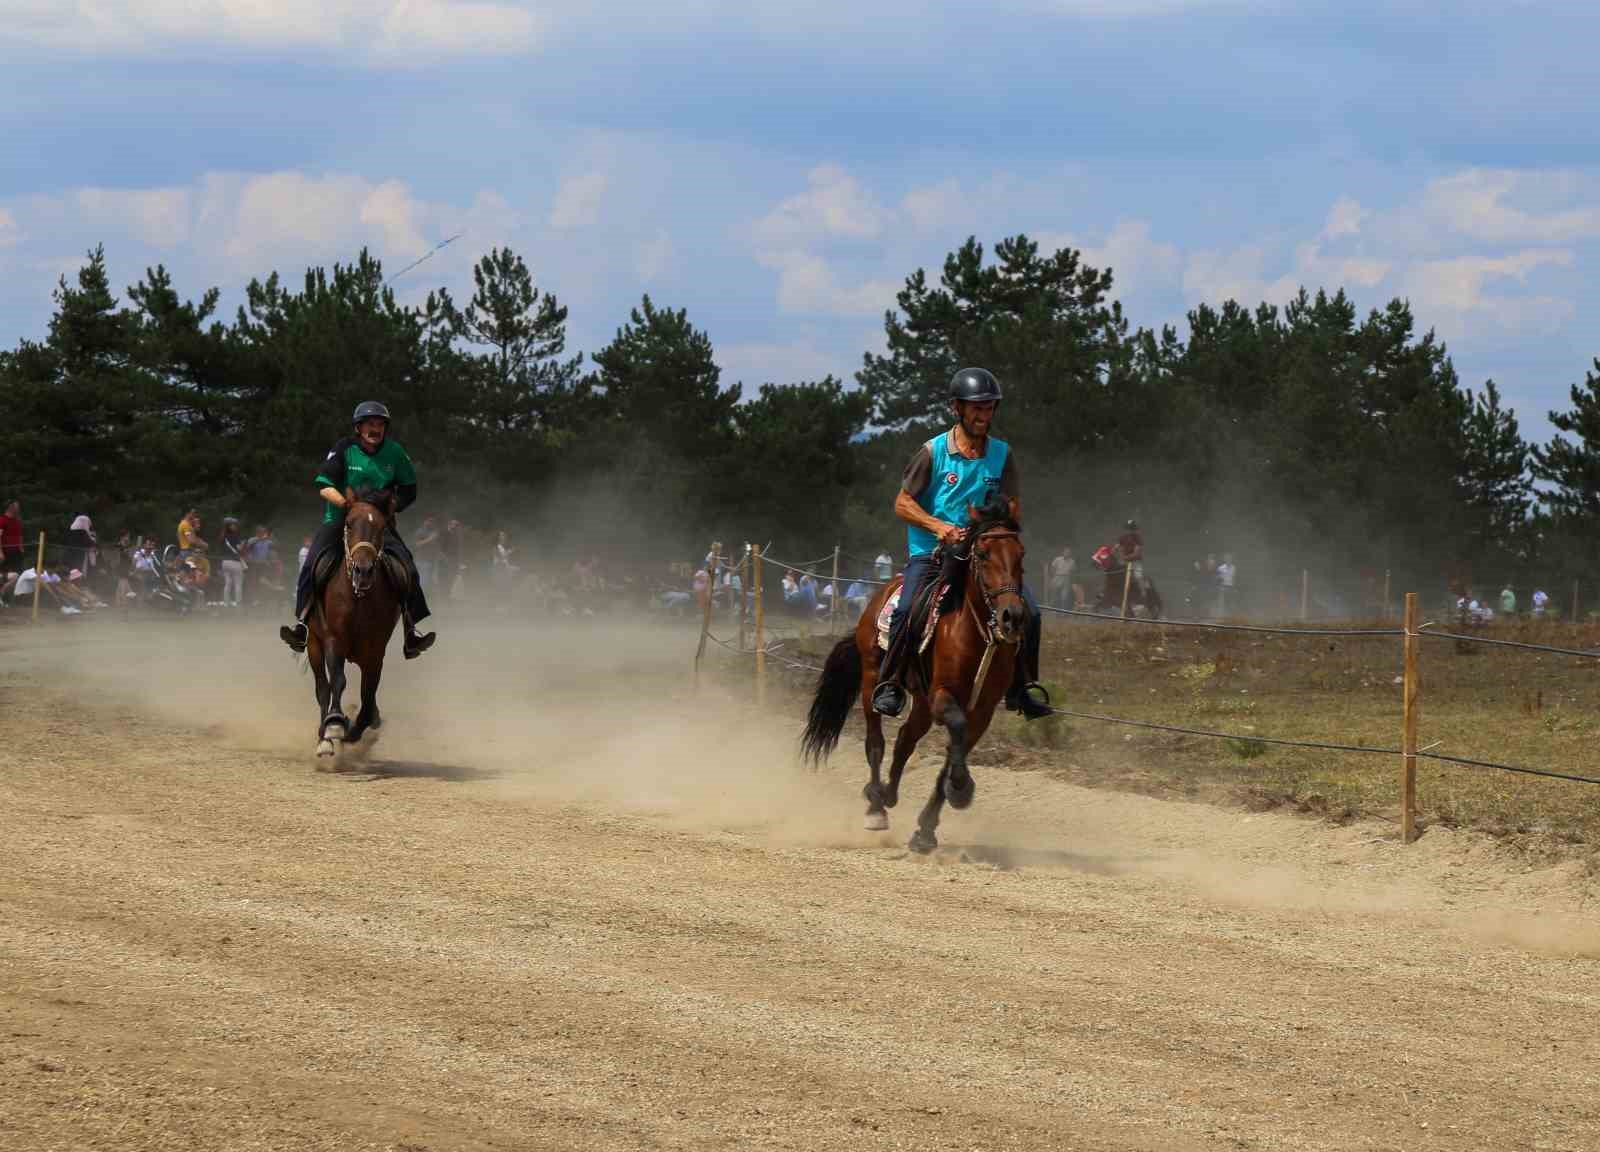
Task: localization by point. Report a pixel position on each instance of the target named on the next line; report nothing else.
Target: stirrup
(889, 699)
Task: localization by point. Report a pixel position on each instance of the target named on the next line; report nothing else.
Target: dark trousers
(919, 570)
(331, 537)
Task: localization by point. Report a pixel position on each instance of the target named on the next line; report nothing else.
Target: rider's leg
(889, 698)
(1026, 695)
(416, 605)
(329, 535)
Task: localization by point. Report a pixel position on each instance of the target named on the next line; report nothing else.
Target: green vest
(349, 466)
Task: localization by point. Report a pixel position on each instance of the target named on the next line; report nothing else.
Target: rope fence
(1411, 633)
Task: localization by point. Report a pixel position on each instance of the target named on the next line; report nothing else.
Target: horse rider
(1130, 550)
(955, 470)
(370, 459)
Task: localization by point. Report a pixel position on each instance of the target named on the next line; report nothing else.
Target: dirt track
(553, 912)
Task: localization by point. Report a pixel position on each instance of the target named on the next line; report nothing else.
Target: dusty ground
(572, 908)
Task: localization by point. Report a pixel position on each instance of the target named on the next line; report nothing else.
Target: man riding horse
(369, 460)
(954, 472)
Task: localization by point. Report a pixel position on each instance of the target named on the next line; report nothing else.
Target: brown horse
(354, 617)
(982, 634)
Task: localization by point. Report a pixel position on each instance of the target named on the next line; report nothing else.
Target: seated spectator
(73, 591)
(856, 597)
(46, 584)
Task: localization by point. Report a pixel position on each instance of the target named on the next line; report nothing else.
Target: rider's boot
(416, 643)
(296, 636)
(1030, 699)
(888, 698)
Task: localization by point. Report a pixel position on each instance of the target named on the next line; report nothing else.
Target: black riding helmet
(974, 385)
(368, 409)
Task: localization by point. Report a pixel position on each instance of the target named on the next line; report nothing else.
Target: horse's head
(366, 518)
(994, 544)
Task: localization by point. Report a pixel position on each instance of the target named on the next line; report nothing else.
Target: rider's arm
(330, 477)
(918, 474)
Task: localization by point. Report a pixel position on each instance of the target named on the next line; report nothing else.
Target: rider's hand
(950, 534)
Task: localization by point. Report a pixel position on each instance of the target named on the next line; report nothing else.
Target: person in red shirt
(11, 557)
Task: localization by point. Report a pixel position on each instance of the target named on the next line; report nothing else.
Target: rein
(987, 630)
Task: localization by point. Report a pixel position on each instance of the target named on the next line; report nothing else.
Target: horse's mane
(379, 498)
(995, 513)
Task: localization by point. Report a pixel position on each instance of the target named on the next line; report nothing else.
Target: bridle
(990, 627)
(350, 550)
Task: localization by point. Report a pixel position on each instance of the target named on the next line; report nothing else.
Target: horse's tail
(837, 688)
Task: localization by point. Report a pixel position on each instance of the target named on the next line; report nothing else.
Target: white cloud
(932, 206)
(655, 256)
(1137, 262)
(374, 29)
(807, 286)
(1472, 203)
(235, 224)
(757, 363)
(835, 205)
(1446, 294)
(577, 201)
(1344, 219)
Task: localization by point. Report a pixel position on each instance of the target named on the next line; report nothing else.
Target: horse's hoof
(891, 797)
(923, 842)
(960, 794)
(326, 749)
(877, 821)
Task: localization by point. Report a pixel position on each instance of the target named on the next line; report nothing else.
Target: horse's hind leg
(368, 716)
(877, 819)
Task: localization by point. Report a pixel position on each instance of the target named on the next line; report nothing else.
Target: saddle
(932, 602)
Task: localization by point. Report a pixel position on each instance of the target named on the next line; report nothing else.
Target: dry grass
(1505, 705)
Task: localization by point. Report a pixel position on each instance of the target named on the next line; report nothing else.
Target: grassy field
(1536, 710)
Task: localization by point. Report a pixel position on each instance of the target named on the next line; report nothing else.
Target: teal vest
(954, 484)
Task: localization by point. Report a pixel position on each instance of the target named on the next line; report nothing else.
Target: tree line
(1307, 433)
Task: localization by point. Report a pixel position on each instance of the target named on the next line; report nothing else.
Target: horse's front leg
(319, 677)
(914, 729)
(334, 724)
(368, 717)
(958, 783)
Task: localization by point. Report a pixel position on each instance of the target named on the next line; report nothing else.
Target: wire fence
(1410, 633)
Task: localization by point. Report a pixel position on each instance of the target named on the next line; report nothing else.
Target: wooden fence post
(38, 577)
(1385, 594)
(833, 601)
(1574, 588)
(744, 592)
(1127, 585)
(1305, 594)
(761, 631)
(705, 614)
(1408, 779)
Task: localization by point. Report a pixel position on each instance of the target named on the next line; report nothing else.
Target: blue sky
(779, 169)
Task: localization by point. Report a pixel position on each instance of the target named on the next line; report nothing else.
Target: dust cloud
(604, 715)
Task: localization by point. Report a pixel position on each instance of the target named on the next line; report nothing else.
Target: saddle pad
(886, 613)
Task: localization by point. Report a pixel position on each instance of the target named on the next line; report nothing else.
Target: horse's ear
(349, 497)
(390, 499)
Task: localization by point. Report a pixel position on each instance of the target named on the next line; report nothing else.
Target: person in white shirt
(1541, 602)
(884, 566)
(1061, 570)
(1225, 574)
(30, 579)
